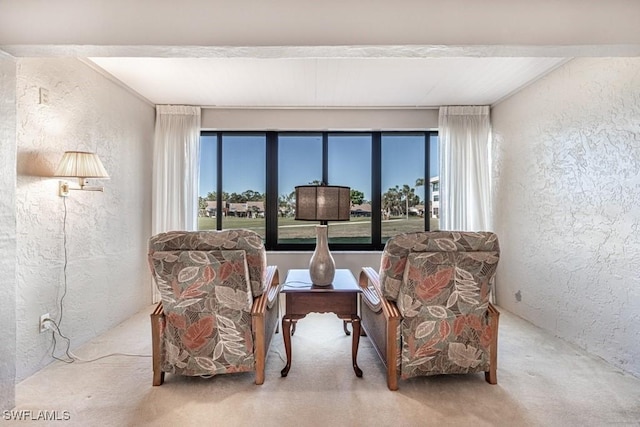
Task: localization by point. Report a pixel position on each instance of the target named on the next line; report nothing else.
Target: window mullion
(219, 197)
(376, 190)
(272, 197)
(427, 178)
(325, 157)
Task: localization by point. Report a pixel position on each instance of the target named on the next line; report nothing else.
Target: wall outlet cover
(44, 320)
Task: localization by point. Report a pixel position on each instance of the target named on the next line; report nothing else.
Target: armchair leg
(260, 365)
(258, 324)
(392, 353)
(259, 376)
(158, 377)
(157, 317)
(492, 376)
(260, 357)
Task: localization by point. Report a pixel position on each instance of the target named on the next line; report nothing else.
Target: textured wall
(567, 169)
(7, 231)
(106, 233)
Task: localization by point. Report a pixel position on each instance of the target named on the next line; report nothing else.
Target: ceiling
(307, 82)
(322, 54)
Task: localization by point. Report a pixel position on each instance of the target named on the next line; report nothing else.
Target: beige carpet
(541, 382)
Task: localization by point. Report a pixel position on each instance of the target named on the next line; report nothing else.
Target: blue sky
(300, 162)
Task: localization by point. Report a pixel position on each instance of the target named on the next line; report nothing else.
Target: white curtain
(465, 188)
(175, 170)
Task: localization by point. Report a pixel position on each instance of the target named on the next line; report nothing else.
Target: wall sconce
(81, 165)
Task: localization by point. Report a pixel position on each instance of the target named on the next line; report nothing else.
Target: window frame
(272, 194)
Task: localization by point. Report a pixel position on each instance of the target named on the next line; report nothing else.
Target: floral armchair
(219, 305)
(427, 311)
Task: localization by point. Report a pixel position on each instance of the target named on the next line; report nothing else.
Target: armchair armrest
(382, 323)
(274, 285)
(369, 282)
(270, 295)
(264, 319)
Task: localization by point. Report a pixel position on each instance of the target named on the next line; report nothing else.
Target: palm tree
(202, 205)
(407, 192)
(420, 183)
(287, 203)
(393, 200)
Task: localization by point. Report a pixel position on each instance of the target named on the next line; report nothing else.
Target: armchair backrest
(226, 240)
(443, 255)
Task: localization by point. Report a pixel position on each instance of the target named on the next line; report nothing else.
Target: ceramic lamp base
(322, 268)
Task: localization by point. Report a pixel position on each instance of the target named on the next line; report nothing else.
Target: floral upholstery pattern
(208, 282)
(207, 305)
(245, 240)
(397, 249)
(440, 282)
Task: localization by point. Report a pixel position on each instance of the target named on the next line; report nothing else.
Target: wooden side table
(302, 298)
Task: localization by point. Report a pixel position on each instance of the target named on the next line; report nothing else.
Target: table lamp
(322, 203)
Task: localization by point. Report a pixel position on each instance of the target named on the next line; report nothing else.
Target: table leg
(286, 334)
(344, 326)
(355, 324)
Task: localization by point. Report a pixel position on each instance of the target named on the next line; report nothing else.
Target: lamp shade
(80, 164)
(323, 203)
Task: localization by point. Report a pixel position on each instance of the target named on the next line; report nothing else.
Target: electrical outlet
(44, 322)
(63, 188)
(44, 96)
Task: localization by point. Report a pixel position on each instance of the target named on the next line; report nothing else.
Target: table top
(298, 280)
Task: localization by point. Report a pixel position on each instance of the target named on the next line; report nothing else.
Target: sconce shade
(80, 164)
(323, 203)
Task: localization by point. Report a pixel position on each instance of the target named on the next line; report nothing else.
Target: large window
(247, 180)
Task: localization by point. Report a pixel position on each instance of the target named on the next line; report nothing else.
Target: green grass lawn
(357, 230)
